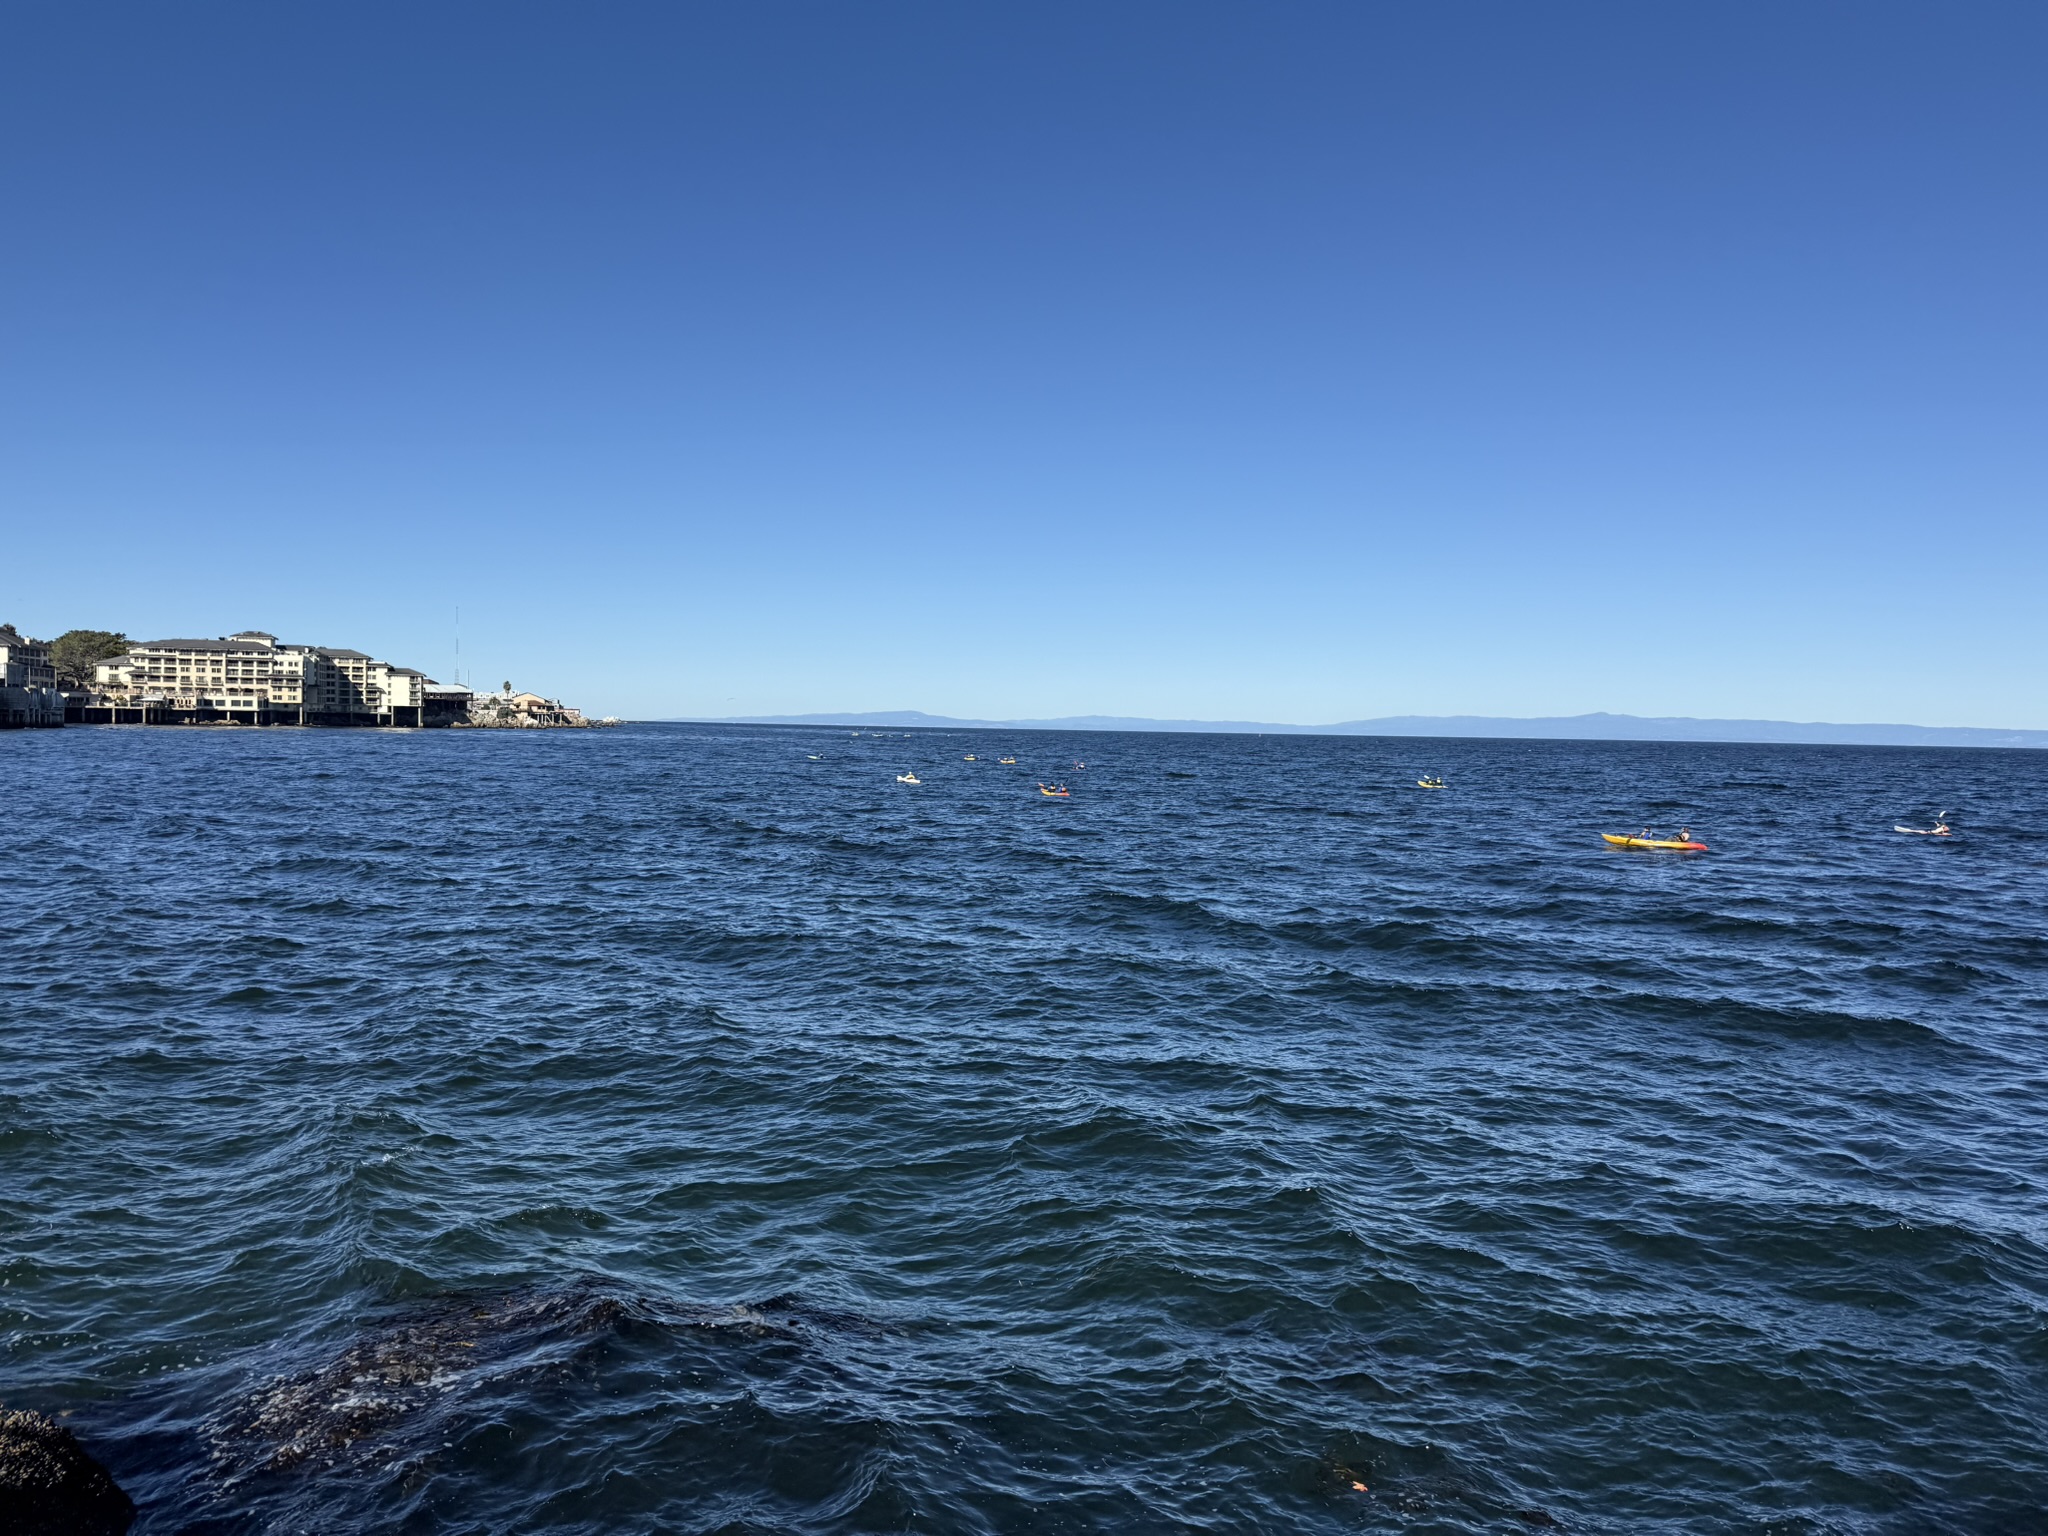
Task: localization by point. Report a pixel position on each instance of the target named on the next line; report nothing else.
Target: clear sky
(1292, 362)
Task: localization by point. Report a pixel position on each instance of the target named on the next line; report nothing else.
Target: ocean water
(662, 1130)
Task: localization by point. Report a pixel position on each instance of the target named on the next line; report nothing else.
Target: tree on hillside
(73, 653)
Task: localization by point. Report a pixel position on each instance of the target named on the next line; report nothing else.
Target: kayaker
(1685, 834)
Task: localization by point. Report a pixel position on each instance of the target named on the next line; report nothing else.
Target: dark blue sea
(664, 1129)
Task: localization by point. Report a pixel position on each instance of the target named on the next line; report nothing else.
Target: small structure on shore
(446, 704)
(507, 710)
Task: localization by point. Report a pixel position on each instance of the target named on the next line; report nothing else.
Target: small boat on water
(1055, 791)
(1673, 844)
(968, 758)
(1429, 784)
(1010, 760)
(908, 778)
(1939, 829)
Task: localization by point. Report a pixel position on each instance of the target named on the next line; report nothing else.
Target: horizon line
(1594, 725)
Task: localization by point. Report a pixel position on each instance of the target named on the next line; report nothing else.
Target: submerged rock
(404, 1382)
(406, 1367)
(49, 1486)
(562, 1404)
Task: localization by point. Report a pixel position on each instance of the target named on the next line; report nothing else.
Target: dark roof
(406, 672)
(257, 647)
(199, 645)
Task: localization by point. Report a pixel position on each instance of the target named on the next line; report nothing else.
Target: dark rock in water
(505, 1408)
(415, 1370)
(399, 1371)
(50, 1487)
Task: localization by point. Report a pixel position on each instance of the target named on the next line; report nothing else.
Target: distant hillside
(1598, 727)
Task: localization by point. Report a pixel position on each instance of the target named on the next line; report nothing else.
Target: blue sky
(1307, 362)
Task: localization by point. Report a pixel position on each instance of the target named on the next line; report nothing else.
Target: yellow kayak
(1654, 842)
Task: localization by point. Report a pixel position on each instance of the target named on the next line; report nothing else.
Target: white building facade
(255, 679)
(28, 683)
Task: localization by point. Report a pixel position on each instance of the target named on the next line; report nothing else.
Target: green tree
(73, 653)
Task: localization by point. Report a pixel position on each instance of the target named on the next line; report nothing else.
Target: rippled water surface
(661, 1130)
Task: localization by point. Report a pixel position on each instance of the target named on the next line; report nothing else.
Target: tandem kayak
(1654, 842)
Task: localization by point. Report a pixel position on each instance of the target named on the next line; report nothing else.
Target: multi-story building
(252, 677)
(28, 683)
(245, 676)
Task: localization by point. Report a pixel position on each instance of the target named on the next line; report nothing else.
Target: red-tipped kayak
(1654, 842)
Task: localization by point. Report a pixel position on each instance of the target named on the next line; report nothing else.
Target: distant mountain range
(1599, 727)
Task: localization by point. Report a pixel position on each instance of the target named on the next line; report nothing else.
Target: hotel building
(252, 677)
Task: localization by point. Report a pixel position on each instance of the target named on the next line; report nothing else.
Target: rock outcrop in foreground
(50, 1487)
